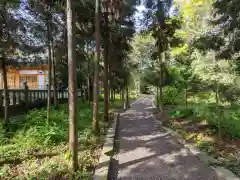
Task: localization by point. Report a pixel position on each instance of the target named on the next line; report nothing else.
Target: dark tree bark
(161, 105)
(3, 69)
(124, 99)
(5, 90)
(49, 39)
(114, 95)
(127, 97)
(95, 123)
(54, 84)
(157, 95)
(186, 94)
(106, 54)
(111, 94)
(73, 135)
(89, 77)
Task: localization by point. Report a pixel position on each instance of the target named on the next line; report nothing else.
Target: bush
(33, 130)
(202, 105)
(172, 96)
(31, 135)
(230, 123)
(3, 138)
(181, 112)
(229, 120)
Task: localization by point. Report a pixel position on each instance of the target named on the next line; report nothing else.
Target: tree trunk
(89, 90)
(112, 98)
(49, 34)
(127, 97)
(95, 123)
(161, 105)
(120, 92)
(218, 111)
(217, 95)
(89, 77)
(5, 90)
(123, 99)
(109, 79)
(3, 68)
(186, 95)
(114, 95)
(158, 96)
(72, 100)
(54, 74)
(106, 54)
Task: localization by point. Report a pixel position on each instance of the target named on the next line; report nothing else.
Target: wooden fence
(22, 100)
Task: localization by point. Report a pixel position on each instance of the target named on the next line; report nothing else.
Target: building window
(32, 80)
(11, 80)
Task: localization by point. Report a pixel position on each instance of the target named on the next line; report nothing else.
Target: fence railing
(21, 100)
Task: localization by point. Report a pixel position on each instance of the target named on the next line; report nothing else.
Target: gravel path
(147, 151)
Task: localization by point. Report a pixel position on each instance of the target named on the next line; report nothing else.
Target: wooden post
(34, 96)
(26, 94)
(30, 96)
(1, 103)
(14, 98)
(18, 97)
(8, 99)
(1, 98)
(85, 94)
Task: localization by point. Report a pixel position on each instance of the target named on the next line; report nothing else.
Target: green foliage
(3, 138)
(172, 95)
(180, 113)
(205, 145)
(31, 135)
(210, 83)
(203, 62)
(201, 107)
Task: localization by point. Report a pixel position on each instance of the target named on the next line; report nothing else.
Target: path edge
(221, 171)
(109, 147)
(102, 169)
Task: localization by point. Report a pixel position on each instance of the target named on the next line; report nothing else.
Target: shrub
(172, 96)
(32, 134)
(229, 120)
(3, 138)
(230, 123)
(181, 112)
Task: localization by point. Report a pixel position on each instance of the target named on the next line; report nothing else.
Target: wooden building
(35, 76)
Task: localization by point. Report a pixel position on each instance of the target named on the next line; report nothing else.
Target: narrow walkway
(147, 151)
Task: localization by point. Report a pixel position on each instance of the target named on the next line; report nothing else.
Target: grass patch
(202, 106)
(35, 149)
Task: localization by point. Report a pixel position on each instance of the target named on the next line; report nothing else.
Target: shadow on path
(147, 151)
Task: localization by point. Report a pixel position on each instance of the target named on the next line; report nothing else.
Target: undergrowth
(202, 109)
(225, 117)
(36, 149)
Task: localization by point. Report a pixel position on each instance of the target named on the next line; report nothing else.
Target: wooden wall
(15, 76)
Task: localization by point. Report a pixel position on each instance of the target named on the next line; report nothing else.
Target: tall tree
(5, 37)
(49, 41)
(106, 55)
(54, 83)
(95, 123)
(73, 135)
(11, 41)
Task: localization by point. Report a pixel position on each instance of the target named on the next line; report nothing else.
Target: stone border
(109, 149)
(202, 156)
(101, 171)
